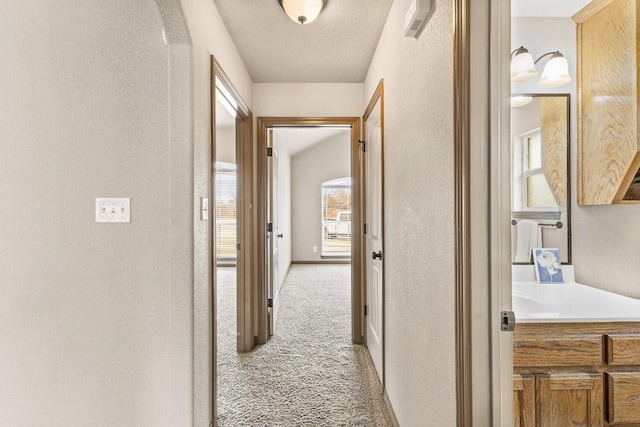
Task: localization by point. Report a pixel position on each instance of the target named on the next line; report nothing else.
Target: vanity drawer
(583, 350)
(622, 349)
(623, 397)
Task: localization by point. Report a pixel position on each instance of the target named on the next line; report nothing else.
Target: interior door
(374, 310)
(272, 231)
(276, 235)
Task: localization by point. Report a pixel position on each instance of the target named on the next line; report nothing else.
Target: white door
(276, 236)
(272, 234)
(373, 237)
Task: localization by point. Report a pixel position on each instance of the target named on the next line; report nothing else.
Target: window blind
(225, 204)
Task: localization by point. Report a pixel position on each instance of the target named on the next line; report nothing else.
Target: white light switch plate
(113, 209)
(204, 208)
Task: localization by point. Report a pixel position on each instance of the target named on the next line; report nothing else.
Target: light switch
(113, 210)
(204, 208)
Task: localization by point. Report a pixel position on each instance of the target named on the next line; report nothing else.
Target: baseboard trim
(392, 414)
(329, 261)
(286, 274)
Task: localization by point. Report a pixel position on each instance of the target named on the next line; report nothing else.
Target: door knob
(375, 255)
(280, 235)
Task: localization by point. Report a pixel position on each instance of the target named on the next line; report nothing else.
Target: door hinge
(270, 227)
(363, 144)
(365, 310)
(269, 152)
(237, 246)
(270, 303)
(364, 228)
(508, 321)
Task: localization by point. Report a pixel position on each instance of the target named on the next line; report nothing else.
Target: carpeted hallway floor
(309, 374)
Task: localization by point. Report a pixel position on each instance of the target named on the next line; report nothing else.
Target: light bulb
(302, 11)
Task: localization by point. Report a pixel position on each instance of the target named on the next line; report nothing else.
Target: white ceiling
(299, 139)
(335, 48)
(546, 8)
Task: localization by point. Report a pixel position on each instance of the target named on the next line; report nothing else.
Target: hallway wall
(95, 319)
(208, 37)
(308, 99)
(419, 221)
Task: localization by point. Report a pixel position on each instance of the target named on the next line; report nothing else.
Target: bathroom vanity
(576, 356)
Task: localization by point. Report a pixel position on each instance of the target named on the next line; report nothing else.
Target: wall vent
(415, 17)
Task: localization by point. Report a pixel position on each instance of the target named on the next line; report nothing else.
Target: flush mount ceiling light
(302, 11)
(555, 73)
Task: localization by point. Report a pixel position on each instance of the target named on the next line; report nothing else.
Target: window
(225, 189)
(336, 217)
(535, 189)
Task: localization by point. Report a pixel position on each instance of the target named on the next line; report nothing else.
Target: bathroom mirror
(540, 186)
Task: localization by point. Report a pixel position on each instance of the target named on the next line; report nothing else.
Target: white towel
(528, 236)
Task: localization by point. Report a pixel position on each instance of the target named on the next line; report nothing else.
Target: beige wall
(208, 37)
(419, 220)
(327, 160)
(95, 319)
(99, 333)
(308, 99)
(604, 238)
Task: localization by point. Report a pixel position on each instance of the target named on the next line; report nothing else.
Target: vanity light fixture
(302, 11)
(520, 101)
(522, 65)
(555, 73)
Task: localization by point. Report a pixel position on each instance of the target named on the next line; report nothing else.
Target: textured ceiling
(546, 8)
(335, 48)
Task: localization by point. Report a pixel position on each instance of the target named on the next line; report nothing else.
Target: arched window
(336, 217)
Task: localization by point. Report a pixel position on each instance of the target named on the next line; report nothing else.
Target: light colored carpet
(309, 374)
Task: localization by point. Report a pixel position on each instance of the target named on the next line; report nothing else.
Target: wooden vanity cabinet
(608, 99)
(576, 374)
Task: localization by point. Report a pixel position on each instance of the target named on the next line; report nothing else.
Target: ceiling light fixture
(555, 73)
(302, 11)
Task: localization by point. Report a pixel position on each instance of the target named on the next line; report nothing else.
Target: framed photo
(548, 266)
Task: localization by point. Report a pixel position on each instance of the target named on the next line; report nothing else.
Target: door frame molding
(461, 93)
(378, 96)
(244, 160)
(481, 88)
(357, 301)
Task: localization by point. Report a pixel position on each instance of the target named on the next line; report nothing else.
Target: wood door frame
(378, 96)
(244, 160)
(481, 88)
(357, 301)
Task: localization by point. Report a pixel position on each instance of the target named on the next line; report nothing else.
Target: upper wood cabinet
(608, 149)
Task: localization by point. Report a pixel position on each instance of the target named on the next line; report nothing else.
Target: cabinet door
(569, 399)
(623, 397)
(524, 400)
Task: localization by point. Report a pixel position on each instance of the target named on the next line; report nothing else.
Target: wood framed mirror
(540, 175)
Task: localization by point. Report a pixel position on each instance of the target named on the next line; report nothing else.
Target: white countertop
(567, 302)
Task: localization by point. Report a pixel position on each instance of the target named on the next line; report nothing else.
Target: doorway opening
(301, 167)
(230, 202)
